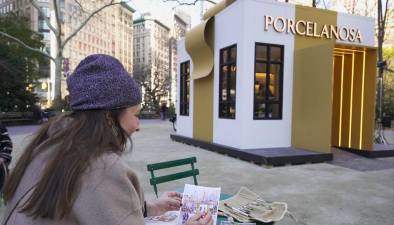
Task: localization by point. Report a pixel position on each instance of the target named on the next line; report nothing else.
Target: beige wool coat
(110, 195)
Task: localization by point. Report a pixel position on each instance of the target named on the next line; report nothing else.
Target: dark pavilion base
(267, 156)
(377, 152)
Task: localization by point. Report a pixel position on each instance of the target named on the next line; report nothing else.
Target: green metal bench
(154, 181)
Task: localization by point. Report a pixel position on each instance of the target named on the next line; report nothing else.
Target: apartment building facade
(181, 24)
(6, 6)
(155, 47)
(151, 51)
(109, 32)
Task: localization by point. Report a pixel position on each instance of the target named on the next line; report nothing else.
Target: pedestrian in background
(163, 111)
(72, 172)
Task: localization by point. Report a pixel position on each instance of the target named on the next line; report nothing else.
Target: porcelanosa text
(311, 29)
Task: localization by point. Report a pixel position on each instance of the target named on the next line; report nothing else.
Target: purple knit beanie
(101, 82)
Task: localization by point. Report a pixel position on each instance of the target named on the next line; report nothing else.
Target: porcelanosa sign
(310, 29)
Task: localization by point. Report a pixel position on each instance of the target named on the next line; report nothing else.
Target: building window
(184, 88)
(268, 81)
(227, 82)
(43, 26)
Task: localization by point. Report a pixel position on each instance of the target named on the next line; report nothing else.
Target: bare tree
(155, 81)
(55, 25)
(363, 8)
(192, 2)
(369, 8)
(382, 21)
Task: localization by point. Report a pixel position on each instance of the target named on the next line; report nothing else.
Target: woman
(72, 171)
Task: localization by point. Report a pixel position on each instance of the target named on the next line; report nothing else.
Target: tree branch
(190, 3)
(87, 20)
(26, 46)
(80, 6)
(54, 30)
(390, 70)
(385, 15)
(57, 16)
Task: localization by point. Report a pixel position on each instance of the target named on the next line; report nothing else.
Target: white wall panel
(266, 133)
(366, 26)
(228, 31)
(184, 123)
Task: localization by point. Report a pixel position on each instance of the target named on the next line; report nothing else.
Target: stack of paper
(247, 206)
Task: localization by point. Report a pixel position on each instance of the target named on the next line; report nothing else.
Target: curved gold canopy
(200, 51)
(199, 45)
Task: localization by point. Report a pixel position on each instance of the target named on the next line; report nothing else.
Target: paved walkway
(350, 190)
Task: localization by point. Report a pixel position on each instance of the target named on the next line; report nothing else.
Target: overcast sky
(163, 10)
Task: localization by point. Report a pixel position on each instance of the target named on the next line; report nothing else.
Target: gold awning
(199, 45)
(200, 51)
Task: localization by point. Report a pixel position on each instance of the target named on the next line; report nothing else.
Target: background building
(151, 56)
(156, 52)
(7, 6)
(109, 32)
(181, 24)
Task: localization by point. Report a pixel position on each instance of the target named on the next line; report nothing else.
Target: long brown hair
(82, 137)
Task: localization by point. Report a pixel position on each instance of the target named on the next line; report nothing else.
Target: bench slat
(175, 176)
(179, 162)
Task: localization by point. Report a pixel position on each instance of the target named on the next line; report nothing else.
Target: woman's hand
(200, 219)
(167, 202)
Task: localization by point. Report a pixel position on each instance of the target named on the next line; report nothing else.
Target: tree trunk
(381, 27)
(380, 78)
(57, 102)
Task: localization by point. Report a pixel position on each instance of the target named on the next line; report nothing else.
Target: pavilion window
(268, 81)
(184, 88)
(227, 82)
